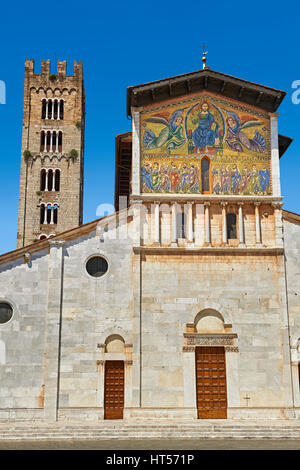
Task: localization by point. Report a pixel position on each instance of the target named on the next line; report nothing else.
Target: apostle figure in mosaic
(264, 179)
(147, 177)
(174, 176)
(156, 177)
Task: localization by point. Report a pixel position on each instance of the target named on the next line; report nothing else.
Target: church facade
(184, 303)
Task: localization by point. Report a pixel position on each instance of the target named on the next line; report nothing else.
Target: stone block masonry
(54, 105)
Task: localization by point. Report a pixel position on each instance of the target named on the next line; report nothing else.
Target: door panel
(211, 382)
(114, 390)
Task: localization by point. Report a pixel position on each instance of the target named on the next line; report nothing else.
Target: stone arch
(115, 330)
(114, 344)
(209, 321)
(213, 306)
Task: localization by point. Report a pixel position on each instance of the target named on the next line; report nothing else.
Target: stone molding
(199, 339)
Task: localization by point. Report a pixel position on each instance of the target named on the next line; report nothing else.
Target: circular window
(6, 312)
(97, 266)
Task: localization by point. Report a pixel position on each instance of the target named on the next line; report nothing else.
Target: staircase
(121, 429)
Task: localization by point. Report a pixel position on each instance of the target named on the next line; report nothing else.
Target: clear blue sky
(123, 43)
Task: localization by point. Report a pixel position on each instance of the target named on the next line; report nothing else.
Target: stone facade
(164, 294)
(43, 155)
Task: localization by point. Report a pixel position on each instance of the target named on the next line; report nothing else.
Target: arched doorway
(114, 379)
(208, 341)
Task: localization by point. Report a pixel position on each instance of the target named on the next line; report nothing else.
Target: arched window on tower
(57, 180)
(55, 213)
(49, 211)
(44, 105)
(42, 214)
(60, 141)
(61, 109)
(55, 109)
(231, 226)
(205, 175)
(50, 180)
(50, 109)
(43, 180)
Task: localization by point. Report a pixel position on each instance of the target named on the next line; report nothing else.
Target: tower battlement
(60, 72)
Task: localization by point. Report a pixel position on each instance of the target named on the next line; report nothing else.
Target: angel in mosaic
(237, 140)
(172, 135)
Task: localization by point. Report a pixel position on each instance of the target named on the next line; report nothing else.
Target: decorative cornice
(209, 249)
(202, 198)
(198, 339)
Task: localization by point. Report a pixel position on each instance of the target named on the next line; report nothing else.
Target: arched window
(42, 237)
(55, 213)
(205, 175)
(49, 210)
(50, 109)
(42, 141)
(60, 141)
(55, 109)
(61, 109)
(50, 180)
(42, 214)
(57, 180)
(231, 226)
(43, 180)
(44, 104)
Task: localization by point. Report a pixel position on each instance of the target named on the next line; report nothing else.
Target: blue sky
(125, 43)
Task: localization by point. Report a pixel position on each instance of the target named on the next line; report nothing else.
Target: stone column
(224, 223)
(156, 223)
(58, 110)
(52, 215)
(241, 224)
(136, 164)
(207, 223)
(257, 223)
(45, 214)
(190, 234)
(51, 141)
(53, 328)
(46, 180)
(275, 171)
(174, 223)
(45, 139)
(47, 108)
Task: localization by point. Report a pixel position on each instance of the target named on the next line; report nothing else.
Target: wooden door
(114, 390)
(211, 382)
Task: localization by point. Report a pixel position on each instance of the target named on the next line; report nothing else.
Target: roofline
(278, 94)
(43, 244)
(290, 215)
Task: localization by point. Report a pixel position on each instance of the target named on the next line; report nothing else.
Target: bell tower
(52, 160)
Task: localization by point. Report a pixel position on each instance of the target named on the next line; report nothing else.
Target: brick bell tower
(51, 180)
